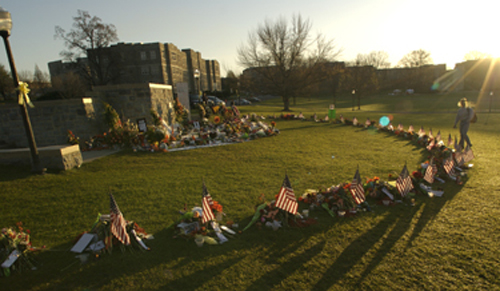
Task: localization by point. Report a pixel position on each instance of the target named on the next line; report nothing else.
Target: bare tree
(69, 85)
(6, 86)
(361, 80)
(476, 55)
(377, 59)
(25, 76)
(40, 81)
(89, 37)
(416, 58)
(285, 58)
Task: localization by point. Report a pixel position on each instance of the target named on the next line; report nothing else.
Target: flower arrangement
(72, 138)
(16, 249)
(226, 127)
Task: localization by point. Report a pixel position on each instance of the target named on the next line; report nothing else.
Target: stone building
(160, 63)
(421, 79)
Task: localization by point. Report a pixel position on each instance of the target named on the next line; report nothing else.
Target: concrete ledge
(61, 157)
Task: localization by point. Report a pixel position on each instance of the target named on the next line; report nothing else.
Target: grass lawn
(442, 243)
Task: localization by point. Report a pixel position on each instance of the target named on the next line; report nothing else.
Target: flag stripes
(431, 145)
(286, 198)
(430, 172)
(206, 202)
(357, 191)
(404, 183)
(448, 166)
(118, 224)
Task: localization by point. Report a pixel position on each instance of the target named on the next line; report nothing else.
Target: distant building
(480, 74)
(129, 63)
(420, 79)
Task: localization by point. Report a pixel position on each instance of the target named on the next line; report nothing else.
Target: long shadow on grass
(400, 224)
(12, 173)
(60, 270)
(288, 267)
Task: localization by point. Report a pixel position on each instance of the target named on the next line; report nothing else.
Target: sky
(217, 28)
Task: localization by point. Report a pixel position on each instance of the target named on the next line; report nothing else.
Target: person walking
(464, 115)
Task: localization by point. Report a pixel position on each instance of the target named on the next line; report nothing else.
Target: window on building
(143, 56)
(155, 70)
(152, 55)
(145, 71)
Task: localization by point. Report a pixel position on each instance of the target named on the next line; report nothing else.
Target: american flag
(431, 145)
(448, 166)
(357, 191)
(411, 129)
(421, 132)
(430, 133)
(459, 158)
(430, 172)
(206, 202)
(450, 140)
(468, 155)
(404, 183)
(438, 136)
(286, 198)
(118, 223)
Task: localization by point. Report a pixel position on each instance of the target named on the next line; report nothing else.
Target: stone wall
(50, 121)
(134, 101)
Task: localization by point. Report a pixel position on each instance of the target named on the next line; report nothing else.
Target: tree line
(284, 56)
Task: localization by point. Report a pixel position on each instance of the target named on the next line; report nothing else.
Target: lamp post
(197, 80)
(5, 27)
(353, 98)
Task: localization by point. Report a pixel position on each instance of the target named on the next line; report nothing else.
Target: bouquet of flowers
(16, 250)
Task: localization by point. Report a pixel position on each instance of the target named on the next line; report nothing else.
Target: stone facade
(51, 120)
(134, 101)
(131, 63)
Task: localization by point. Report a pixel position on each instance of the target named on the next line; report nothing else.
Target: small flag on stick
(421, 132)
(286, 198)
(430, 172)
(404, 183)
(431, 145)
(118, 223)
(448, 166)
(206, 202)
(357, 190)
(411, 129)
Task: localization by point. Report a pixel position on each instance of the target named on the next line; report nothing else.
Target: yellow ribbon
(23, 94)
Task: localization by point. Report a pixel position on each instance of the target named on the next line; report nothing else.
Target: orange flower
(217, 119)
